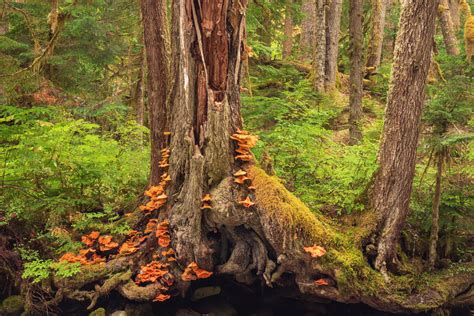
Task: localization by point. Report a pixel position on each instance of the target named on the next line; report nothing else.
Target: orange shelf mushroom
(161, 297)
(132, 244)
(106, 243)
(152, 272)
(90, 239)
(151, 225)
(247, 202)
(315, 251)
(245, 142)
(321, 282)
(193, 272)
(240, 177)
(162, 234)
(206, 202)
(85, 257)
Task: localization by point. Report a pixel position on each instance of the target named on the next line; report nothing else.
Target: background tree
(156, 37)
(319, 46)
(393, 181)
(333, 25)
(308, 8)
(374, 53)
(356, 76)
(288, 40)
(447, 27)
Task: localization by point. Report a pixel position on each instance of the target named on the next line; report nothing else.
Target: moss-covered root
(288, 225)
(12, 305)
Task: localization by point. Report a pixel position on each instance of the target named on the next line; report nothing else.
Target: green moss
(286, 213)
(13, 305)
(293, 218)
(98, 312)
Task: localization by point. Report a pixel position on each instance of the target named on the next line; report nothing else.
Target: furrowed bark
(319, 53)
(333, 25)
(307, 28)
(138, 91)
(356, 75)
(433, 254)
(156, 36)
(397, 156)
(447, 28)
(206, 112)
(455, 14)
(288, 41)
(374, 54)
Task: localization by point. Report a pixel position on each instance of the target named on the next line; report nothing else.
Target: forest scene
(236, 157)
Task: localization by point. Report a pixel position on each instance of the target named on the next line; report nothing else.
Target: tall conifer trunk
(397, 155)
(356, 75)
(447, 28)
(319, 46)
(374, 54)
(156, 37)
(288, 41)
(307, 28)
(333, 25)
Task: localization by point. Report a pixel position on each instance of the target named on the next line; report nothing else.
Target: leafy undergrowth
(305, 135)
(62, 176)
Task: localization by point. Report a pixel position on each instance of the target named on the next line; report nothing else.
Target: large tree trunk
(447, 27)
(156, 36)
(333, 25)
(249, 227)
(205, 113)
(433, 254)
(397, 156)
(288, 40)
(307, 28)
(319, 53)
(356, 75)
(374, 54)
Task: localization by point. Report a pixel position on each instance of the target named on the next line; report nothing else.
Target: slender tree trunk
(288, 41)
(4, 25)
(356, 76)
(447, 27)
(397, 156)
(333, 26)
(319, 53)
(138, 95)
(265, 30)
(468, 30)
(433, 254)
(156, 36)
(308, 8)
(455, 14)
(374, 54)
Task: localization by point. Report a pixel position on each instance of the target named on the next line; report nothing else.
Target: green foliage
(99, 41)
(58, 171)
(37, 269)
(294, 125)
(449, 136)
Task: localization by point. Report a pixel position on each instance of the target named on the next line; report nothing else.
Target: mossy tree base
(270, 248)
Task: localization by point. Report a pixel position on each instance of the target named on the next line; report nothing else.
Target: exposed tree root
(267, 243)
